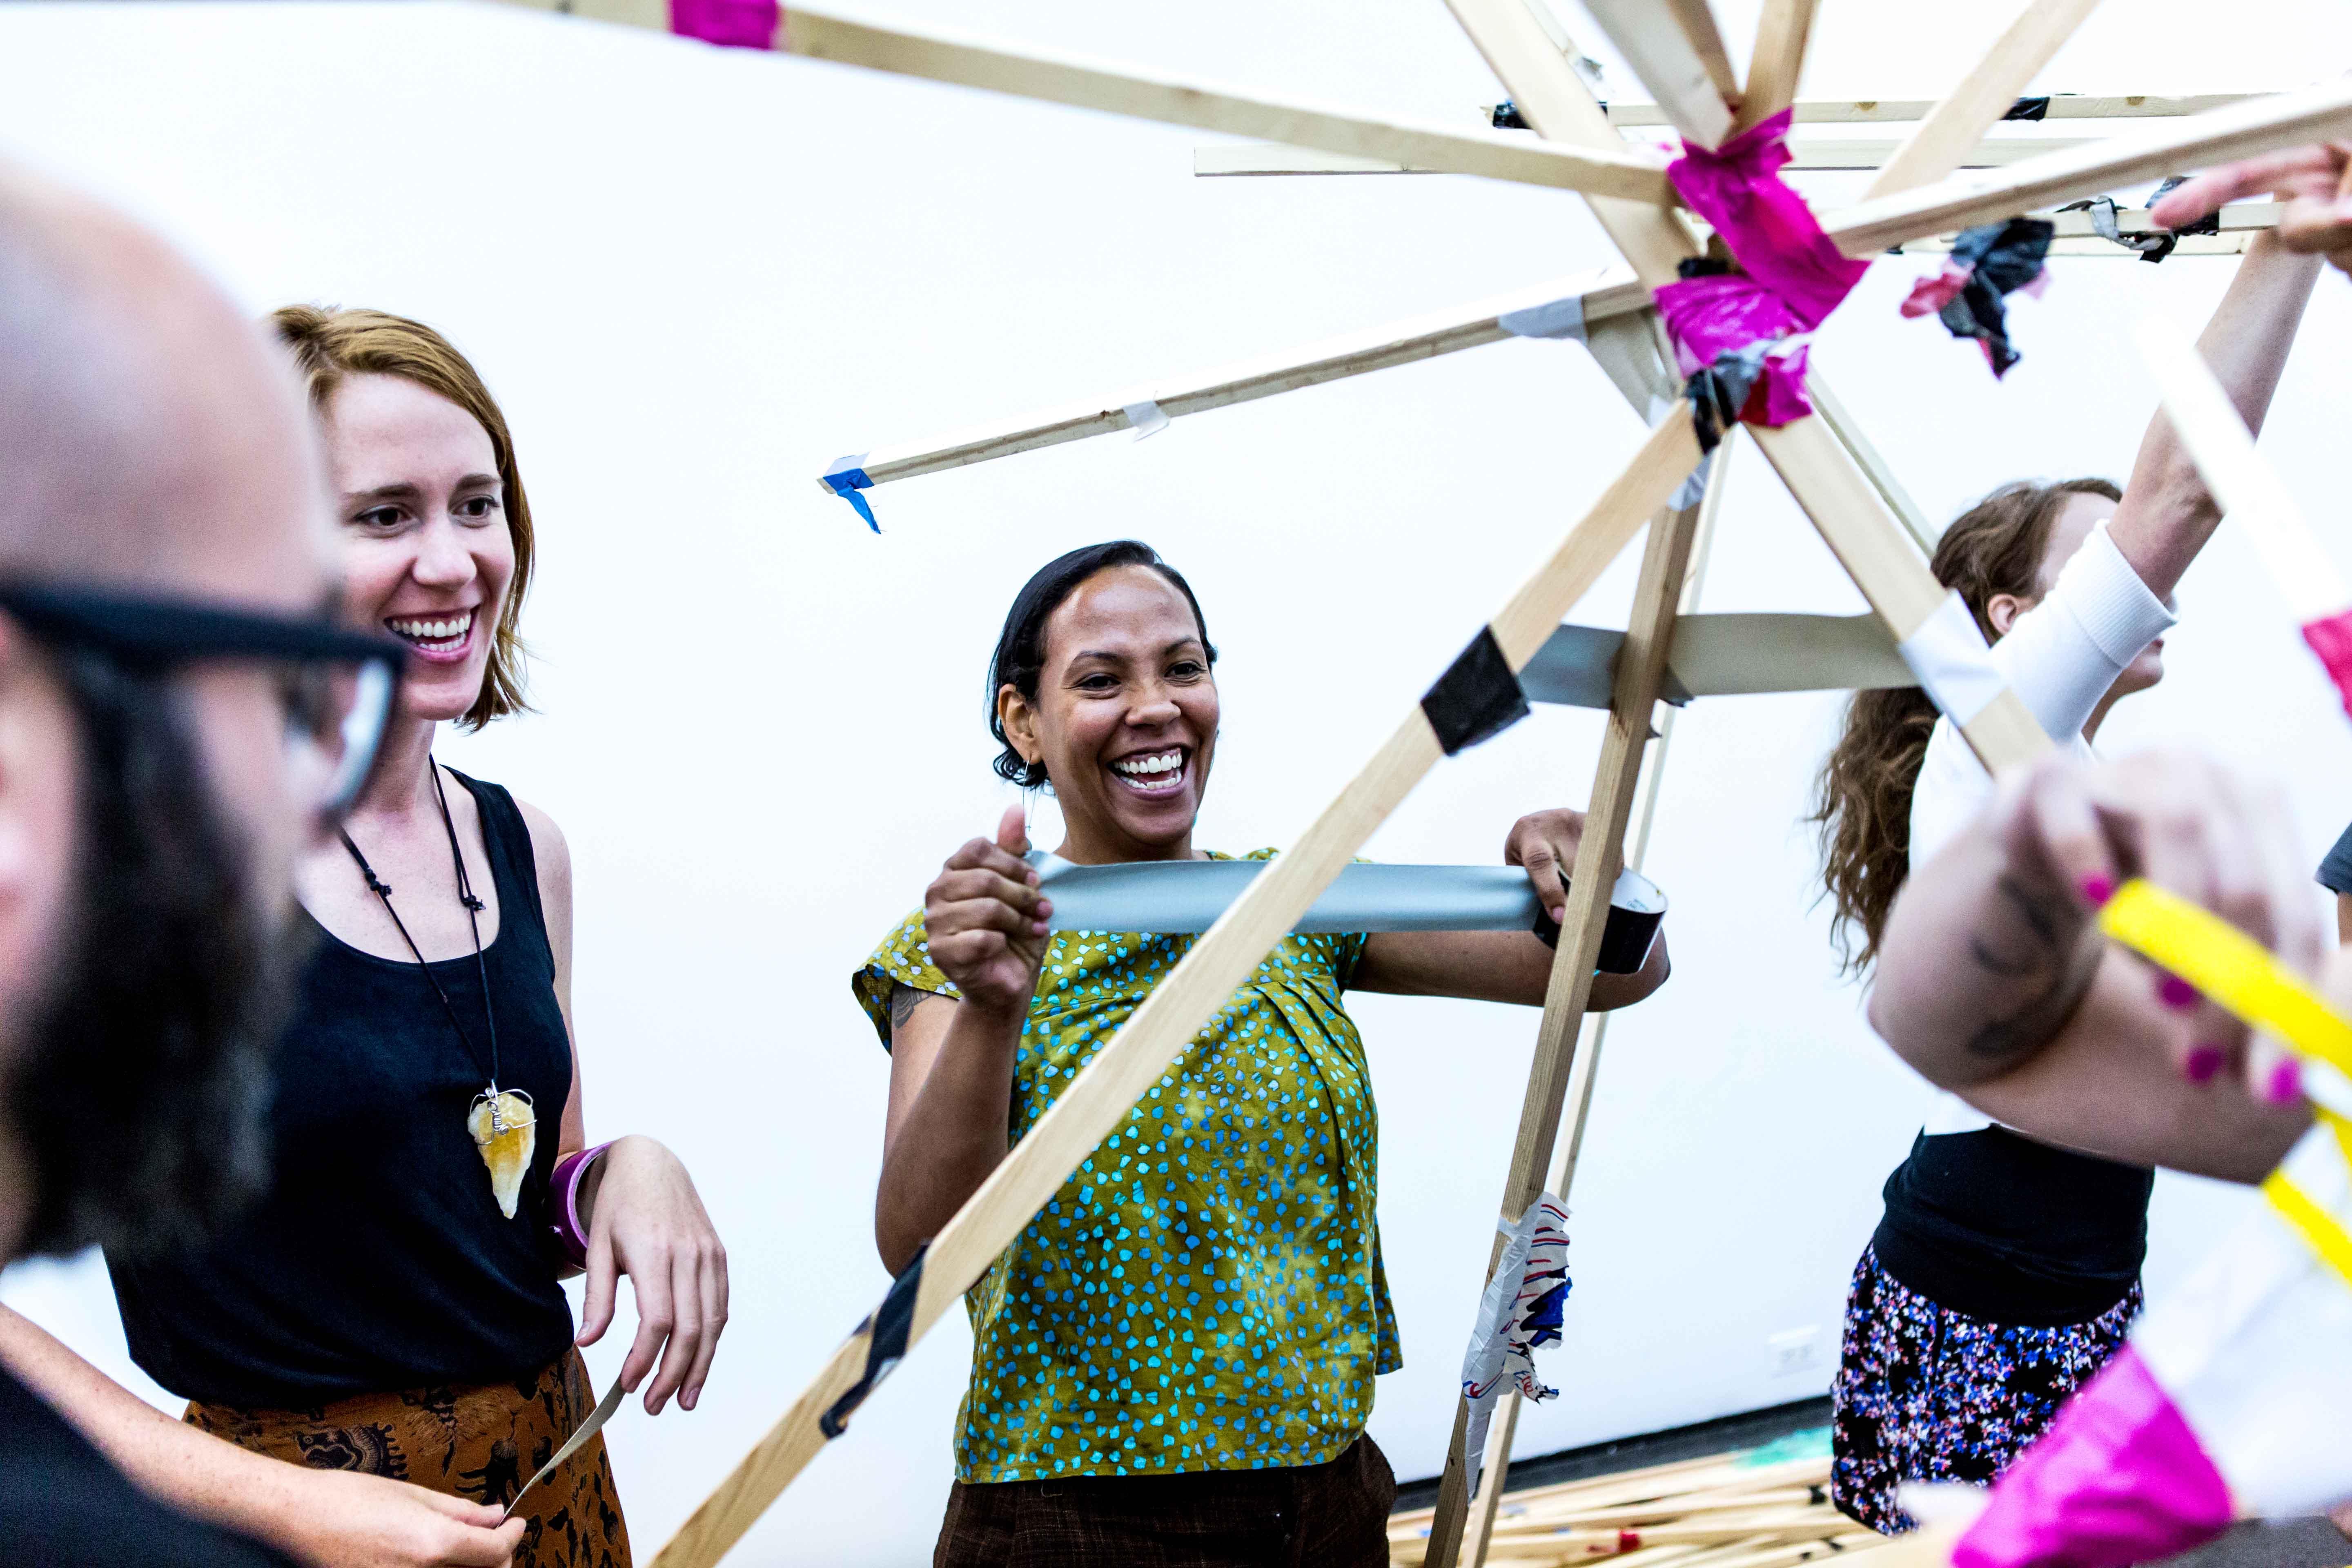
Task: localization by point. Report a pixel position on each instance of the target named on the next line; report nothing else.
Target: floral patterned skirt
(481, 1444)
(1924, 1393)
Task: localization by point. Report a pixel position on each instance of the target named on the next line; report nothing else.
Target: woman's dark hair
(1020, 656)
(1862, 802)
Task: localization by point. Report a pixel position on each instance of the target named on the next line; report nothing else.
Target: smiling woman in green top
(1175, 1363)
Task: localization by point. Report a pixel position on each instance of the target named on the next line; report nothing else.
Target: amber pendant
(504, 1130)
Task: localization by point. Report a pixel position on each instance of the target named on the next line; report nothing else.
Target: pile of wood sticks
(1750, 1509)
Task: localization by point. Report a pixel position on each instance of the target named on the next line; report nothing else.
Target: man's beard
(139, 1087)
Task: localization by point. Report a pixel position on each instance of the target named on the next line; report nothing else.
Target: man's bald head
(149, 436)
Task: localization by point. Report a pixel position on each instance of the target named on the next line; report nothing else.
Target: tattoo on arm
(904, 1000)
(2052, 965)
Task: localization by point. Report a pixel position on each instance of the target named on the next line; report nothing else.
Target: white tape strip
(1947, 653)
(1146, 418)
(1559, 319)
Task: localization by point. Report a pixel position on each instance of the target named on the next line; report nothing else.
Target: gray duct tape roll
(1184, 896)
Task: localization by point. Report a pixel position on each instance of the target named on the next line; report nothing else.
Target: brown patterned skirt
(481, 1444)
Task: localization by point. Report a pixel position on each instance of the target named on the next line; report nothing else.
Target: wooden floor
(1757, 1497)
(1764, 1507)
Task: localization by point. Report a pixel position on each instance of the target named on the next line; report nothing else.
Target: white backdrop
(694, 278)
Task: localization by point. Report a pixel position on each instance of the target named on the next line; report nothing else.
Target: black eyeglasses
(337, 685)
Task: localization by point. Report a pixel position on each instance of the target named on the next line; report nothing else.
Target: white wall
(696, 278)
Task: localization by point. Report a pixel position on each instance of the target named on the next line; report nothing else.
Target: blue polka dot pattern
(1205, 1293)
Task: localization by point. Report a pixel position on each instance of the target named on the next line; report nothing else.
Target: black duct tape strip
(1476, 699)
(1637, 907)
(888, 1329)
(2028, 109)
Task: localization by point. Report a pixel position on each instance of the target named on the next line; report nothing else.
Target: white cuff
(2109, 602)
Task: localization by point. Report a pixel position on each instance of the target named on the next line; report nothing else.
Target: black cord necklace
(500, 1120)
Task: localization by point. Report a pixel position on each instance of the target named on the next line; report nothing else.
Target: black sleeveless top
(1997, 1227)
(379, 1261)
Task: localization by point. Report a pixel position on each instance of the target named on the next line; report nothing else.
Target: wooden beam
(1902, 111)
(1143, 1050)
(1603, 295)
(1874, 466)
(969, 61)
(1599, 856)
(1670, 63)
(2244, 484)
(1553, 99)
(1984, 95)
(1697, 19)
(1496, 1468)
(1884, 564)
(1806, 153)
(2218, 136)
(1779, 60)
(653, 14)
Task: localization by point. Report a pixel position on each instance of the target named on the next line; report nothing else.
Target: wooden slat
(1409, 341)
(1884, 564)
(1225, 159)
(1651, 36)
(1875, 467)
(1599, 856)
(1903, 110)
(1779, 59)
(1553, 99)
(1143, 1050)
(1496, 1469)
(969, 61)
(1696, 18)
(1945, 137)
(2198, 142)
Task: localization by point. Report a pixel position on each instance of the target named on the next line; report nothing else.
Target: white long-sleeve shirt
(2061, 657)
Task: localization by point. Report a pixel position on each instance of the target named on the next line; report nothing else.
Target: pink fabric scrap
(1932, 293)
(731, 24)
(2330, 637)
(1794, 275)
(2117, 1478)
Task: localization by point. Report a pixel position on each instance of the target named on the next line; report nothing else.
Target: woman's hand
(2070, 834)
(645, 1220)
(1545, 842)
(348, 1518)
(985, 921)
(2310, 179)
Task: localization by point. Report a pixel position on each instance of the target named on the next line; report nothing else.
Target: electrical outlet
(1793, 1351)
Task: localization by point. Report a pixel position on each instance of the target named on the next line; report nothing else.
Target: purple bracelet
(564, 1189)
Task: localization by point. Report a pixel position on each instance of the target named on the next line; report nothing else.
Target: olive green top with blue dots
(1205, 1293)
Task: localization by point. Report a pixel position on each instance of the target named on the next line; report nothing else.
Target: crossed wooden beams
(1841, 486)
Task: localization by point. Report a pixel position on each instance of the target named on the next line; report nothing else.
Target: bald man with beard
(180, 718)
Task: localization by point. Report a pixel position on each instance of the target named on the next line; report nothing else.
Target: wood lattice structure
(1919, 192)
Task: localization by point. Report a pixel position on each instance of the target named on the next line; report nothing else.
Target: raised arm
(1994, 981)
(2166, 514)
(1506, 966)
(333, 1519)
(950, 1114)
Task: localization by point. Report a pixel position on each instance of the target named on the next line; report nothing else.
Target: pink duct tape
(731, 24)
(2117, 1478)
(2330, 637)
(1794, 275)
